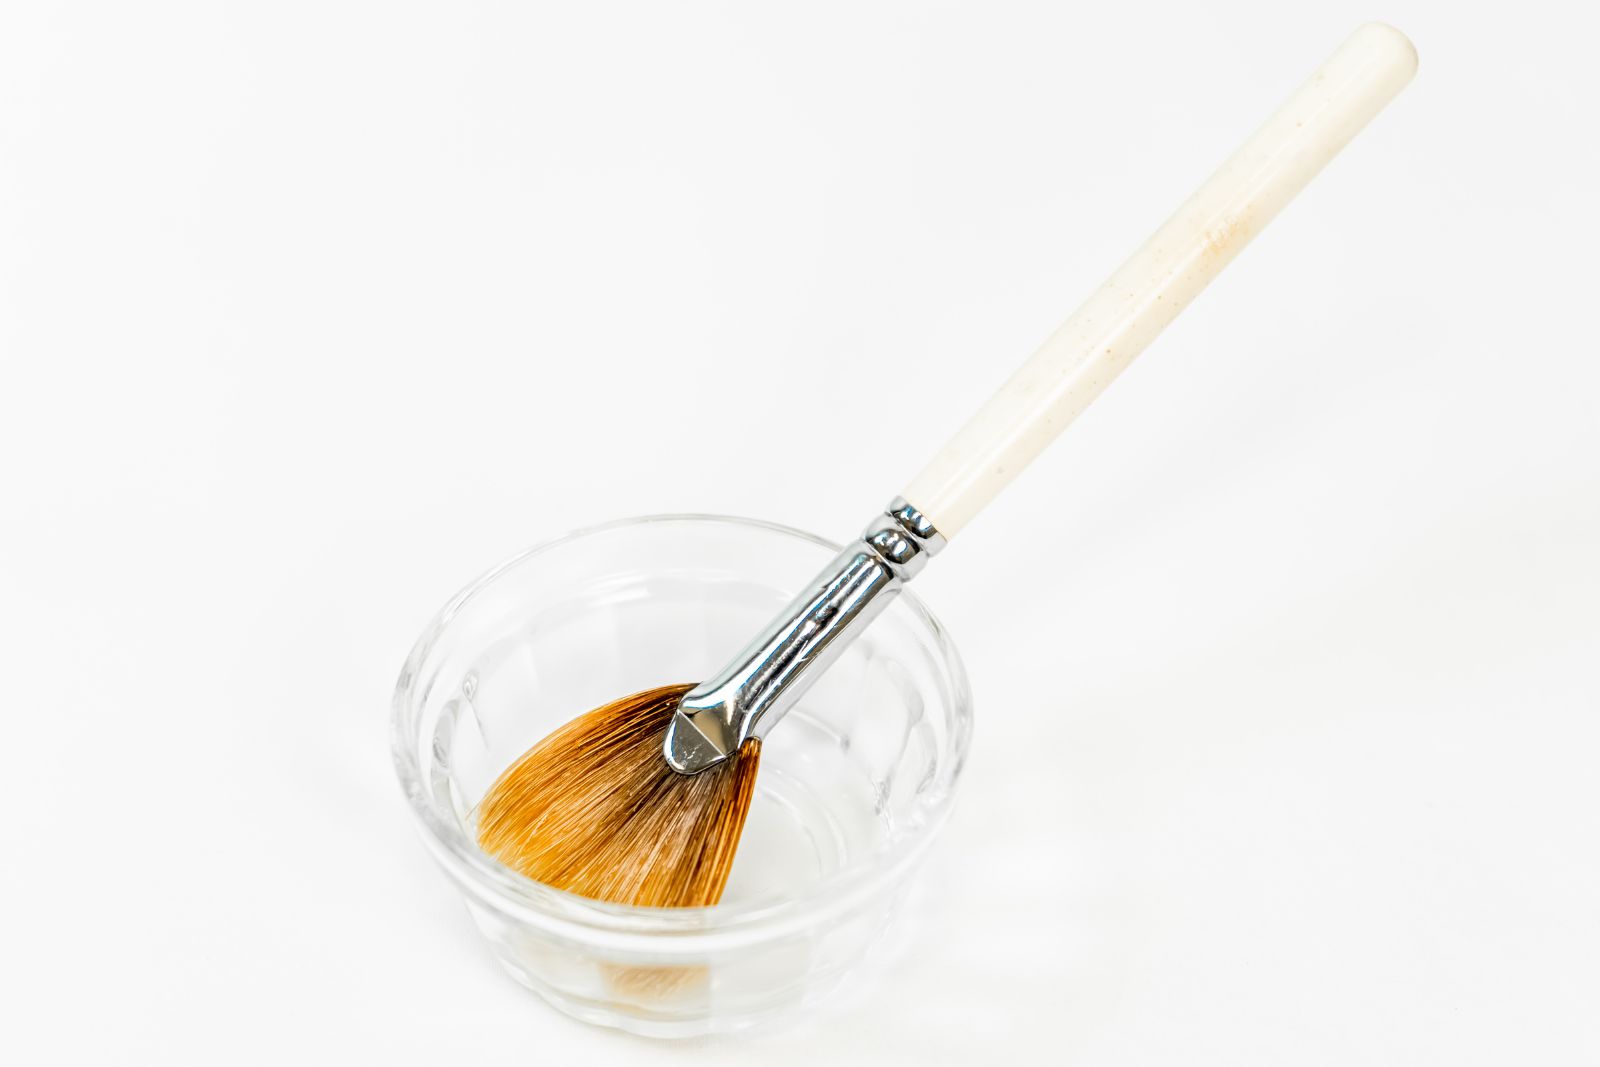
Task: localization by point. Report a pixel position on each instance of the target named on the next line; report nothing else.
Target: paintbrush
(642, 801)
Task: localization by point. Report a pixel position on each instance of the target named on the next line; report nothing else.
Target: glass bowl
(853, 783)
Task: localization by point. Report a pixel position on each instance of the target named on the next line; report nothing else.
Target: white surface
(1122, 315)
(309, 312)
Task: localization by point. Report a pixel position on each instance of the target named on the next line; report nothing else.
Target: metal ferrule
(754, 691)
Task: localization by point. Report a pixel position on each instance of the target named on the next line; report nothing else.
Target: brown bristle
(594, 809)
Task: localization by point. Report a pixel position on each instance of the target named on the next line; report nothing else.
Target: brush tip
(595, 809)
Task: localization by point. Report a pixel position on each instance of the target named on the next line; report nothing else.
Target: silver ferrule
(748, 696)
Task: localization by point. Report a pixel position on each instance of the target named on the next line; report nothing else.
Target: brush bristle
(594, 809)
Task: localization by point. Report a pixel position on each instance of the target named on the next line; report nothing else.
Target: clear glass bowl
(853, 783)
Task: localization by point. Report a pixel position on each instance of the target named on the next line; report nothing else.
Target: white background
(1285, 657)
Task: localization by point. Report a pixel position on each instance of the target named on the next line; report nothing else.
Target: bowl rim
(659, 931)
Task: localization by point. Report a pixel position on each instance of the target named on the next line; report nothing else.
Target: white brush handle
(1126, 313)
